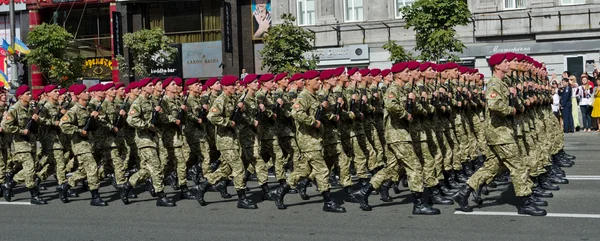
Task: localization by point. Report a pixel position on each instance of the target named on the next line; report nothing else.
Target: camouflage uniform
(286, 131)
(195, 133)
(14, 123)
(172, 138)
(267, 135)
(52, 148)
(248, 137)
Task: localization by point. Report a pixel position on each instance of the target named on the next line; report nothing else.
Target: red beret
(78, 89)
(326, 74)
(296, 76)
(144, 82)
(62, 91)
(375, 72)
(107, 86)
(210, 82)
(156, 80)
(92, 88)
(519, 57)
(311, 74)
(440, 67)
(266, 78)
(119, 85)
(280, 76)
(475, 70)
(528, 59)
(228, 80)
(49, 88)
(463, 69)
(424, 66)
(452, 65)
(364, 72)
(99, 87)
(399, 67)
(204, 88)
(352, 71)
(191, 81)
(249, 79)
(496, 59)
(36, 94)
(413, 65)
(510, 56)
(385, 72)
(481, 76)
(167, 82)
(339, 71)
(178, 81)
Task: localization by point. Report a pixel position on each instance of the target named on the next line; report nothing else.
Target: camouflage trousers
(364, 156)
(374, 141)
(506, 155)
(438, 157)
(199, 152)
(479, 128)
(309, 162)
(471, 146)
(110, 156)
(251, 158)
(273, 156)
(175, 161)
(427, 162)
(88, 169)
(446, 151)
(401, 152)
(53, 161)
(150, 166)
(130, 152)
(461, 147)
(335, 155)
(453, 144)
(289, 149)
(26, 174)
(4, 163)
(231, 165)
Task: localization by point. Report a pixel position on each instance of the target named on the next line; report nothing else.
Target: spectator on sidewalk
(556, 102)
(596, 103)
(575, 103)
(584, 94)
(566, 106)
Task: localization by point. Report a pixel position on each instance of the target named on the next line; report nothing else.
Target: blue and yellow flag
(21, 47)
(6, 46)
(4, 79)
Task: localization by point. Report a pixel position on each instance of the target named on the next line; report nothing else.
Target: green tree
(150, 49)
(49, 45)
(434, 22)
(397, 52)
(287, 48)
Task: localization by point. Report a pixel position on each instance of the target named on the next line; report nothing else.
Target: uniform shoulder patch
(132, 111)
(390, 96)
(296, 106)
(65, 118)
(214, 110)
(8, 117)
(493, 94)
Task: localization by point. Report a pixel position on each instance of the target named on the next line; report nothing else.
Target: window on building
(306, 12)
(400, 4)
(187, 21)
(354, 10)
(572, 2)
(514, 4)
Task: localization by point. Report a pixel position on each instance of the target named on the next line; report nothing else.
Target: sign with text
(173, 69)
(227, 37)
(202, 59)
(19, 5)
(98, 68)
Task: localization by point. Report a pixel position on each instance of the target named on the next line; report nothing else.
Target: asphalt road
(304, 220)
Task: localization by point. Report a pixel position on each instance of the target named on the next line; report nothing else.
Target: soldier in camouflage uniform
(195, 127)
(267, 130)
(309, 136)
(14, 123)
(4, 139)
(286, 132)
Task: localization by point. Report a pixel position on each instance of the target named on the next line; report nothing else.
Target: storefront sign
(173, 69)
(530, 47)
(351, 52)
(99, 68)
(228, 39)
(19, 5)
(202, 59)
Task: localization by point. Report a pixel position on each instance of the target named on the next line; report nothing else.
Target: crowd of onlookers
(577, 104)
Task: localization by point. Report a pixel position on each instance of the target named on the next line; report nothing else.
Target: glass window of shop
(89, 25)
(187, 21)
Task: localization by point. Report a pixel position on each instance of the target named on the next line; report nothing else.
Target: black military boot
(7, 188)
(38, 183)
(462, 198)
(330, 205)
(172, 180)
(243, 201)
(563, 154)
(445, 190)
(113, 180)
(63, 192)
(266, 192)
(124, 190)
(540, 192)
(528, 207)
(301, 188)
(96, 200)
(150, 187)
(279, 193)
(478, 163)
(477, 194)
(35, 197)
(71, 193)
(452, 180)
(362, 196)
(467, 168)
(199, 191)
(384, 191)
(437, 198)
(333, 180)
(420, 208)
(460, 177)
(348, 197)
(538, 201)
(396, 188)
(404, 181)
(554, 178)
(546, 184)
(163, 201)
(221, 186)
(184, 193)
(295, 190)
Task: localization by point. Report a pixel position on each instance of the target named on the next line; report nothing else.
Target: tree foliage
(150, 49)
(434, 22)
(397, 52)
(287, 46)
(49, 43)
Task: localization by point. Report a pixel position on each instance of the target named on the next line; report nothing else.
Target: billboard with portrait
(261, 18)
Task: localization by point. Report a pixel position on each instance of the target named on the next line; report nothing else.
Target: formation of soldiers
(436, 127)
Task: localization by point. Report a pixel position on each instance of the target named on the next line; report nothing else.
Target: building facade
(565, 34)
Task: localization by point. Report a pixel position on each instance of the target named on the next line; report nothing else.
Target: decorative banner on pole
(117, 34)
(228, 39)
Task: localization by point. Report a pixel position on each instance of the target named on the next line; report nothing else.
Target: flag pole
(14, 71)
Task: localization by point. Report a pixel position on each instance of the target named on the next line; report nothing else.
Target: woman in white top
(556, 103)
(584, 94)
(574, 109)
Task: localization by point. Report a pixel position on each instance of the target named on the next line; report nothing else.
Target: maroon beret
(79, 89)
(280, 76)
(296, 76)
(412, 65)
(326, 74)
(92, 89)
(440, 67)
(375, 72)
(266, 78)
(49, 88)
(145, 82)
(519, 57)
(72, 87)
(311, 74)
(119, 85)
(510, 56)
(463, 69)
(481, 76)
(364, 72)
(528, 59)
(249, 79)
(36, 94)
(496, 59)
(475, 71)
(210, 82)
(156, 80)
(399, 67)
(385, 72)
(228, 80)
(191, 81)
(352, 71)
(339, 71)
(107, 86)
(99, 87)
(178, 81)
(204, 88)
(62, 91)
(167, 82)
(424, 66)
(452, 65)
